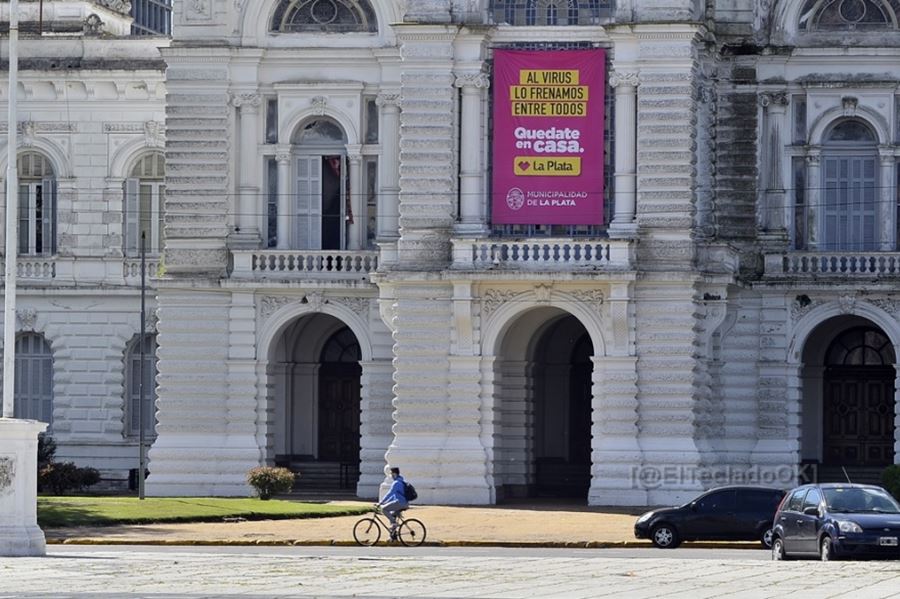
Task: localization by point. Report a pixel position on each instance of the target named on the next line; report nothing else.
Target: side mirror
(811, 511)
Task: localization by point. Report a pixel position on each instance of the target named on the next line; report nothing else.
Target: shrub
(59, 477)
(890, 480)
(46, 450)
(268, 480)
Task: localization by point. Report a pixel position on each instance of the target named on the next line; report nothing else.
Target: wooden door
(339, 409)
(859, 416)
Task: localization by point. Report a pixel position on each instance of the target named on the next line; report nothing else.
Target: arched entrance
(858, 400)
(848, 400)
(544, 373)
(315, 381)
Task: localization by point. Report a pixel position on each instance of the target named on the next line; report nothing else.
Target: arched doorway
(858, 400)
(544, 373)
(848, 405)
(314, 376)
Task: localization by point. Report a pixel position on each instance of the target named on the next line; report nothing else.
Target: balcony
(543, 255)
(300, 264)
(833, 264)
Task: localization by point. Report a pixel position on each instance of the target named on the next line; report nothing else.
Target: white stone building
(336, 296)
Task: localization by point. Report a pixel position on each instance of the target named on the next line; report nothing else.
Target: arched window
(34, 379)
(133, 389)
(550, 12)
(342, 347)
(329, 16)
(854, 15)
(860, 346)
(37, 205)
(144, 198)
(850, 188)
(321, 210)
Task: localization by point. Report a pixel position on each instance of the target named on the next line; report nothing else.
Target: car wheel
(766, 538)
(665, 536)
(826, 550)
(778, 553)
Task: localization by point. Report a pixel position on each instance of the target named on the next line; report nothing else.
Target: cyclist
(394, 501)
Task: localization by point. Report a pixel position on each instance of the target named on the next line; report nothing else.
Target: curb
(335, 543)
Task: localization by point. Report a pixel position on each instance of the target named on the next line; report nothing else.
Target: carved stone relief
(270, 304)
(492, 299)
(359, 305)
(27, 319)
(592, 297)
(7, 474)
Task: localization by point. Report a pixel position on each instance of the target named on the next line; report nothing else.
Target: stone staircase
(318, 478)
(863, 475)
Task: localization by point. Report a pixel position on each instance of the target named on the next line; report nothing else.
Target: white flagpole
(12, 205)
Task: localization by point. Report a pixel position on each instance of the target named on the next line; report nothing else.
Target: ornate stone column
(813, 195)
(887, 215)
(388, 226)
(283, 157)
(248, 207)
(357, 227)
(472, 207)
(625, 83)
(772, 216)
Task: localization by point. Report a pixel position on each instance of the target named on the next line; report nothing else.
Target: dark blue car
(831, 521)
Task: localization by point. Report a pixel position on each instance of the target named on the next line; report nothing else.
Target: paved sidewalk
(517, 525)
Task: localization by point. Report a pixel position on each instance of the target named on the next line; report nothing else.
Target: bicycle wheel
(366, 532)
(411, 532)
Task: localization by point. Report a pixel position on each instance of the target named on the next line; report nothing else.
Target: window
(849, 188)
(860, 346)
(759, 501)
(272, 121)
(37, 205)
(133, 388)
(550, 12)
(331, 16)
(796, 501)
(321, 197)
(144, 199)
(854, 15)
(33, 396)
(718, 502)
(812, 499)
(151, 17)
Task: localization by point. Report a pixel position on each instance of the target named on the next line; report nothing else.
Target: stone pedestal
(19, 532)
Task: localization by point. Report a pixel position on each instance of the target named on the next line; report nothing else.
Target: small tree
(46, 450)
(890, 480)
(268, 480)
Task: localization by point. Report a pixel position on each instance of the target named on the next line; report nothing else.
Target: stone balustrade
(131, 270)
(543, 254)
(34, 268)
(297, 263)
(838, 264)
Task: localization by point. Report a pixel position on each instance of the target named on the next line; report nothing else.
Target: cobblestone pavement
(83, 572)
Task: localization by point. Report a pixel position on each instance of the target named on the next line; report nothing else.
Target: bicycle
(410, 532)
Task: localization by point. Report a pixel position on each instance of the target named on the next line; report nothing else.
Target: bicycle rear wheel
(366, 532)
(412, 532)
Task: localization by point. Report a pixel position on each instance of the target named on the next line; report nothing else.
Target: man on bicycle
(394, 501)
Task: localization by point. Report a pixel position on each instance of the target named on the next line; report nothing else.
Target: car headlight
(849, 526)
(644, 517)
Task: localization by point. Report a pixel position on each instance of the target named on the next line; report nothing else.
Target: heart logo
(524, 165)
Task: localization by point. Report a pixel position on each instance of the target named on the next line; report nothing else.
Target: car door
(787, 519)
(714, 516)
(754, 512)
(808, 524)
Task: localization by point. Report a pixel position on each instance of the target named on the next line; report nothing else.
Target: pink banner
(548, 137)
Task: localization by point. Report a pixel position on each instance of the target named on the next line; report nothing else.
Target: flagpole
(12, 205)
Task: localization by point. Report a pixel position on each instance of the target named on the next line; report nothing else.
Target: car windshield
(854, 500)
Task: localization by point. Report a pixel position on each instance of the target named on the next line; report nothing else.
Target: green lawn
(55, 512)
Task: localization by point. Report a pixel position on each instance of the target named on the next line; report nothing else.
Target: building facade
(338, 294)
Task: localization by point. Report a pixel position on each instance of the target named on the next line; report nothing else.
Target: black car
(723, 514)
(830, 521)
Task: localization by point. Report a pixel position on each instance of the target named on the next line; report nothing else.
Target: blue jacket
(397, 492)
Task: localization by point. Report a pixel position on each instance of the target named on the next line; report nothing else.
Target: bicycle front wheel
(366, 532)
(411, 532)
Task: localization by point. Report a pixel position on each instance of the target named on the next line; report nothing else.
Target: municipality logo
(515, 198)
